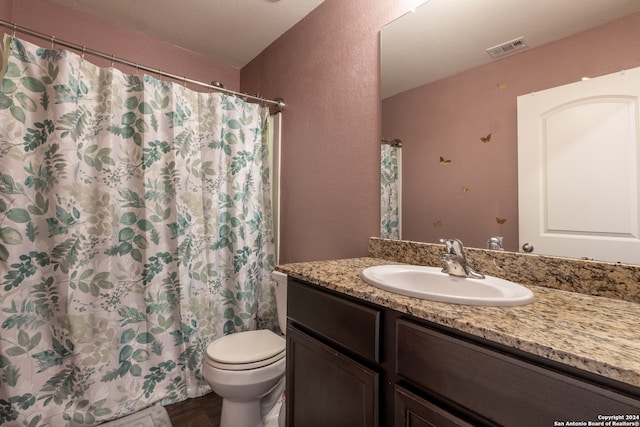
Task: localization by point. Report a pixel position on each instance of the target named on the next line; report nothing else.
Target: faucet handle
(454, 246)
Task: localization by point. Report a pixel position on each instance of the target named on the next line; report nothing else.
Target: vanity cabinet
(352, 363)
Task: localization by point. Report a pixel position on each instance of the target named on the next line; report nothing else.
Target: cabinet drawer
(352, 326)
(502, 388)
(414, 411)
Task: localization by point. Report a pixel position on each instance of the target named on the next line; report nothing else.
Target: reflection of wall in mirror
(456, 181)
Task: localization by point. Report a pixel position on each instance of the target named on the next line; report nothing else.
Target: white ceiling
(445, 37)
(232, 32)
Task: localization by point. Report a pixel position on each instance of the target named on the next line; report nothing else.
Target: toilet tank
(280, 288)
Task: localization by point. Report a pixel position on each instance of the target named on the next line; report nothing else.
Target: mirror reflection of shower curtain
(275, 132)
(390, 191)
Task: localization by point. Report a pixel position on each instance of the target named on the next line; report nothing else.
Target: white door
(578, 159)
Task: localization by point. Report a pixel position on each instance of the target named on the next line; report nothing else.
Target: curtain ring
(113, 59)
(13, 34)
(53, 41)
(184, 81)
(84, 48)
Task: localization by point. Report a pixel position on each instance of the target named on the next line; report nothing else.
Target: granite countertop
(595, 334)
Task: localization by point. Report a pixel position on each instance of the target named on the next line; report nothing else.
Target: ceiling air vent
(507, 48)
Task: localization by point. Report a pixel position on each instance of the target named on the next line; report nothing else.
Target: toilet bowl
(244, 367)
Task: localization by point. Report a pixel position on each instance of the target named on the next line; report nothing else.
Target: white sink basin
(432, 284)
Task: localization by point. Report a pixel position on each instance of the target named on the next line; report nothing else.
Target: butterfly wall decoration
(444, 162)
(486, 139)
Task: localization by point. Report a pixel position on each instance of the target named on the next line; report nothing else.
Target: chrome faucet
(456, 260)
(495, 243)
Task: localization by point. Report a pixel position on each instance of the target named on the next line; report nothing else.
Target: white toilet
(244, 367)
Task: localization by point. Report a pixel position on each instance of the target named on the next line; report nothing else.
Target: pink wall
(327, 70)
(447, 118)
(6, 9)
(48, 17)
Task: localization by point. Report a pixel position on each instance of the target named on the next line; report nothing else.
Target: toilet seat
(246, 350)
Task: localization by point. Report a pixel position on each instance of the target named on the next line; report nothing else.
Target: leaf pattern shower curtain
(135, 228)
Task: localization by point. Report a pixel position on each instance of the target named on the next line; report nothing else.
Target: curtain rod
(277, 102)
(392, 142)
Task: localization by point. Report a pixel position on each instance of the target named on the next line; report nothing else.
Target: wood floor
(202, 411)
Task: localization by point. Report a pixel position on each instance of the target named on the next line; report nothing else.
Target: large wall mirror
(451, 75)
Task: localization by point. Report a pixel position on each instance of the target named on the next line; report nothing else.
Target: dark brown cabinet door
(413, 411)
(326, 388)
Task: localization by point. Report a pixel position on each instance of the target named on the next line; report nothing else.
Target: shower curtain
(389, 191)
(135, 228)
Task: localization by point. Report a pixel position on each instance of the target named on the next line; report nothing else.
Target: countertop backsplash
(604, 279)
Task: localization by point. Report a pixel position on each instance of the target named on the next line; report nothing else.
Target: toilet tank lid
(246, 347)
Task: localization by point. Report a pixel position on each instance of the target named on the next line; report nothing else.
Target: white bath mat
(154, 416)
